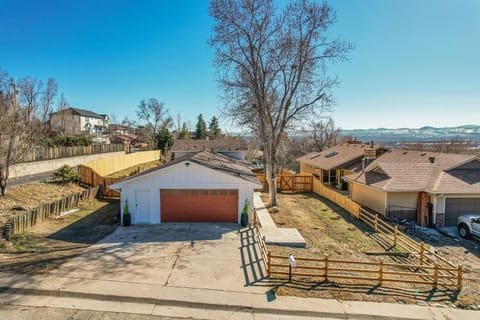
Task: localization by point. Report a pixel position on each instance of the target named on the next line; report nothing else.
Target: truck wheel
(463, 231)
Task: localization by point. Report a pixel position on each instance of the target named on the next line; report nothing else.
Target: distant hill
(471, 132)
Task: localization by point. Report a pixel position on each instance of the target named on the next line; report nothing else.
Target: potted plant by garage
(127, 218)
(244, 216)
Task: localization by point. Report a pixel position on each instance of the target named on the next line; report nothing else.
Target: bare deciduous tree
(324, 134)
(18, 129)
(273, 66)
(62, 105)
(48, 99)
(29, 91)
(446, 145)
(155, 116)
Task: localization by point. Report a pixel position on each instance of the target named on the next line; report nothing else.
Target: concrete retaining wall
(28, 168)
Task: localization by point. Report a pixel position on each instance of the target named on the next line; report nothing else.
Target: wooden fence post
(376, 223)
(435, 276)
(459, 277)
(422, 252)
(269, 261)
(395, 234)
(326, 267)
(380, 272)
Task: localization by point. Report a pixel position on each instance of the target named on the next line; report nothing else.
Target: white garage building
(203, 187)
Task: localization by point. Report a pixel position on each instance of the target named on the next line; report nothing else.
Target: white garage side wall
(402, 199)
(179, 176)
(369, 197)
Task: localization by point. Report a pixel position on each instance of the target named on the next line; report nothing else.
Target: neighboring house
(73, 121)
(201, 187)
(122, 134)
(332, 164)
(120, 129)
(435, 187)
(231, 146)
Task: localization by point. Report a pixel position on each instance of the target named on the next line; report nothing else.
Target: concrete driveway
(187, 255)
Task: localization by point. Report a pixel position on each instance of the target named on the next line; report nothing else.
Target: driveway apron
(219, 256)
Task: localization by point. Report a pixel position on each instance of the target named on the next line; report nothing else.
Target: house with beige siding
(432, 188)
(332, 164)
(75, 122)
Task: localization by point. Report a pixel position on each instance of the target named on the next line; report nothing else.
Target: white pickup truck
(469, 225)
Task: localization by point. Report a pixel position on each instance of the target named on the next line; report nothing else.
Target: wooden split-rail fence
(25, 221)
(430, 268)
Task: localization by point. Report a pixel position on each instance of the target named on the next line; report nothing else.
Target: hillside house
(74, 122)
(432, 188)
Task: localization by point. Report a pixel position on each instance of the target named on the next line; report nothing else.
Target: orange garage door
(193, 205)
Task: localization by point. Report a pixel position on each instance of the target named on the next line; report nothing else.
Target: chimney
(432, 159)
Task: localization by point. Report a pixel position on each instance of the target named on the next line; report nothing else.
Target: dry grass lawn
(328, 229)
(47, 245)
(23, 198)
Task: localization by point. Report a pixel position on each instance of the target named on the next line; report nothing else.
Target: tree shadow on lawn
(39, 252)
(364, 228)
(93, 227)
(471, 245)
(363, 292)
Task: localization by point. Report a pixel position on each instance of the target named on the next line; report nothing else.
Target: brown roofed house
(432, 188)
(332, 164)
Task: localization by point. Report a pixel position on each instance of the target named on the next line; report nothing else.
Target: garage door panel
(199, 205)
(455, 207)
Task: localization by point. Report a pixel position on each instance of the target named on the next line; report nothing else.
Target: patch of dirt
(136, 169)
(26, 197)
(328, 229)
(47, 245)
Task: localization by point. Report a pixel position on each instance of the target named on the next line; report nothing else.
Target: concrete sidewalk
(273, 235)
(153, 299)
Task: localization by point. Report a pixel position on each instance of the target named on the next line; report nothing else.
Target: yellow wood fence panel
(104, 167)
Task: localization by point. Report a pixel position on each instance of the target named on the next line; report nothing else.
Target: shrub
(65, 141)
(67, 174)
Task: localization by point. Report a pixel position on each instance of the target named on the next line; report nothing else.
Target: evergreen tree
(201, 132)
(164, 140)
(184, 133)
(215, 130)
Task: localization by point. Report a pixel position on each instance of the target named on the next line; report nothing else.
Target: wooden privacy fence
(378, 272)
(49, 153)
(346, 203)
(291, 182)
(89, 177)
(105, 167)
(20, 223)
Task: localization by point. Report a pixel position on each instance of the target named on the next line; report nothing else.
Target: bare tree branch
(273, 66)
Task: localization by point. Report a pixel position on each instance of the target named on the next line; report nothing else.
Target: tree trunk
(3, 187)
(271, 178)
(273, 190)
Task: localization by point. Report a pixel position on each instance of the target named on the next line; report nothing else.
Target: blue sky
(416, 62)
